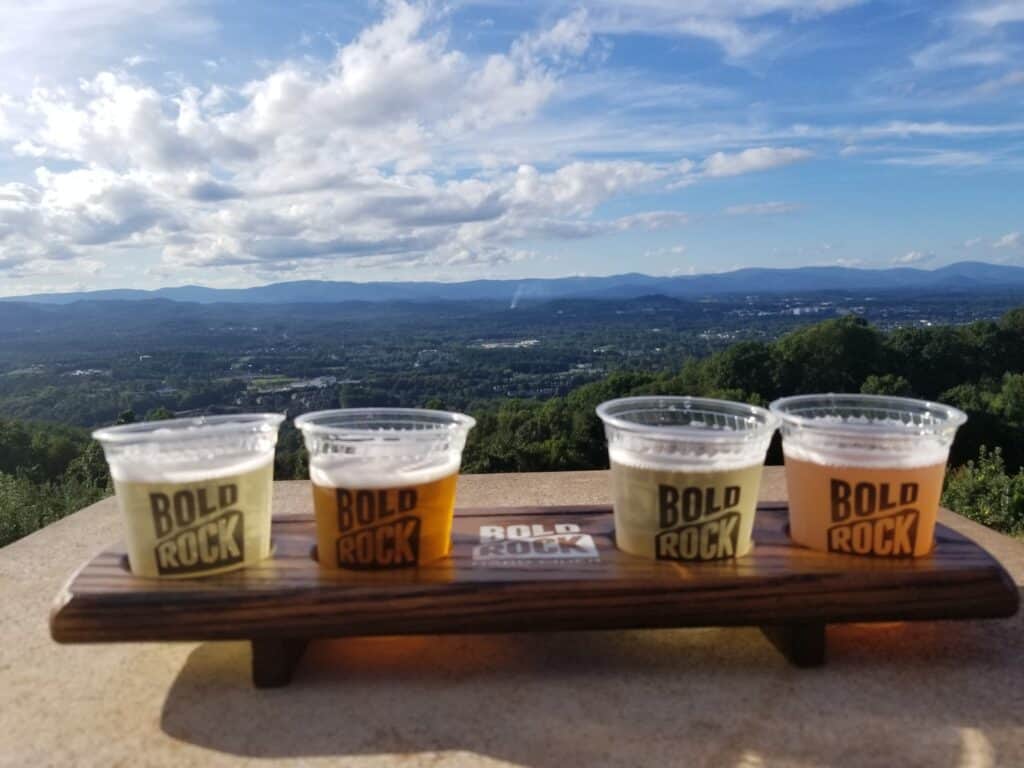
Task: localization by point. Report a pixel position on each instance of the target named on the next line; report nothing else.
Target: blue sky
(229, 144)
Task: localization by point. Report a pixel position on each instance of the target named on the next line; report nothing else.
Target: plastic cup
(383, 484)
(194, 493)
(685, 474)
(864, 472)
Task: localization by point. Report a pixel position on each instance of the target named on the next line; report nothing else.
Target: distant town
(84, 363)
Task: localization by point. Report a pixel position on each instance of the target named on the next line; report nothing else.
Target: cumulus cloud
(913, 257)
(750, 160)
(1009, 240)
(312, 163)
(383, 155)
(762, 209)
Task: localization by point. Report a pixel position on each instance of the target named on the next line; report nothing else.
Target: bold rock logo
(535, 542)
(374, 529)
(697, 523)
(859, 528)
(197, 529)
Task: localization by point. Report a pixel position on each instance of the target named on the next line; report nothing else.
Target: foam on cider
(924, 455)
(892, 446)
(673, 462)
(379, 473)
(143, 469)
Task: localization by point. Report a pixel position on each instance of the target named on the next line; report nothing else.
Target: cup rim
(203, 426)
(449, 421)
(769, 421)
(949, 418)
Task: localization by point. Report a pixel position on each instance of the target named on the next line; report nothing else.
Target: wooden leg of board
(802, 644)
(274, 660)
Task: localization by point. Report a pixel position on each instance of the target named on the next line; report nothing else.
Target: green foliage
(984, 491)
(291, 462)
(887, 384)
(160, 413)
(46, 472)
(39, 451)
(833, 356)
(26, 506)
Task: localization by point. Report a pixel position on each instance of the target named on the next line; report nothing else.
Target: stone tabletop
(928, 694)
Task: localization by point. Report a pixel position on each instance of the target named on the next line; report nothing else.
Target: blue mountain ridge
(967, 276)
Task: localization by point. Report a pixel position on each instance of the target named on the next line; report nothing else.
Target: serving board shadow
(559, 571)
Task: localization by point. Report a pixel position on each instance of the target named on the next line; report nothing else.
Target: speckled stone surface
(928, 694)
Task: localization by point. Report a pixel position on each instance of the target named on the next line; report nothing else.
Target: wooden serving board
(566, 574)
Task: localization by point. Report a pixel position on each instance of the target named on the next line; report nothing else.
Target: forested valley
(49, 470)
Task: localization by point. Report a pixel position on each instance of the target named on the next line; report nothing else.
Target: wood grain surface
(476, 590)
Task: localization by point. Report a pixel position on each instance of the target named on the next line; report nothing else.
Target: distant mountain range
(962, 277)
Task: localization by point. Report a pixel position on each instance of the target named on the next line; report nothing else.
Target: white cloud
(50, 41)
(650, 220)
(996, 14)
(356, 161)
(973, 242)
(941, 158)
(1009, 240)
(913, 257)
(907, 129)
(672, 250)
(401, 148)
(750, 160)
(762, 209)
(312, 163)
(961, 51)
(739, 27)
(1011, 79)
(568, 37)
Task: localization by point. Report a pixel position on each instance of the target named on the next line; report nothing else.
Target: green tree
(1009, 403)
(833, 356)
(747, 366)
(932, 359)
(984, 491)
(886, 384)
(26, 506)
(90, 468)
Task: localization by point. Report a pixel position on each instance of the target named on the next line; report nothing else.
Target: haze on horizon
(236, 144)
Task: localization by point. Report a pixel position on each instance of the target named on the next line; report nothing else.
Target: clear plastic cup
(383, 484)
(864, 472)
(194, 493)
(685, 474)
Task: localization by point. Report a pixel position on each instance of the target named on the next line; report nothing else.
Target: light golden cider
(885, 511)
(682, 514)
(368, 528)
(200, 524)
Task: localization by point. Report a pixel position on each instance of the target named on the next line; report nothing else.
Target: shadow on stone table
(936, 694)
